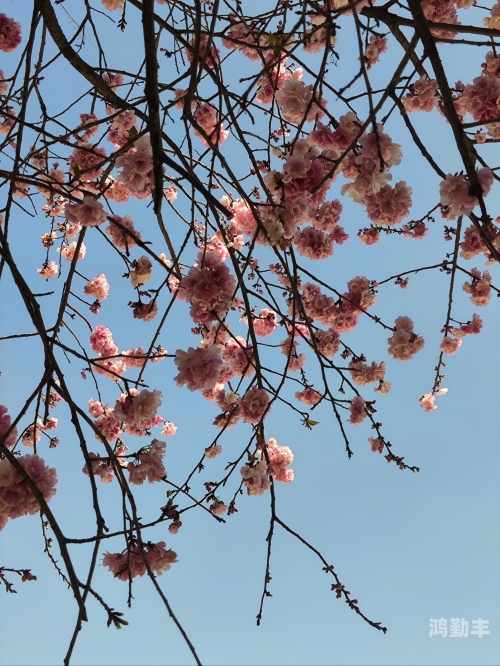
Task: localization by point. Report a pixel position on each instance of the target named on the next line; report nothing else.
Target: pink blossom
(209, 287)
(450, 345)
(265, 323)
(90, 213)
(404, 343)
(376, 46)
(10, 34)
(85, 120)
(97, 287)
(68, 251)
(363, 374)
(198, 368)
(493, 21)
(328, 216)
(87, 162)
(173, 528)
(472, 244)
(280, 457)
(308, 396)
(5, 422)
(4, 86)
(472, 327)
(390, 205)
(357, 410)
(327, 342)
(142, 272)
(376, 444)
(137, 168)
(145, 311)
(294, 99)
(149, 464)
(289, 349)
(255, 478)
(218, 508)
(314, 244)
(101, 468)
(130, 563)
(238, 355)
(440, 11)
(480, 98)
(427, 402)
(170, 193)
(107, 425)
(116, 191)
(213, 451)
(112, 5)
(422, 95)
(95, 408)
(169, 429)
(136, 409)
(101, 341)
(210, 59)
(49, 271)
(16, 497)
(254, 405)
(369, 236)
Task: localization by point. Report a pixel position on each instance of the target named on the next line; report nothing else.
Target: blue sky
(410, 547)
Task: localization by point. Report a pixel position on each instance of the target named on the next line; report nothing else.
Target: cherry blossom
(10, 34)
(198, 368)
(16, 497)
(404, 343)
(5, 422)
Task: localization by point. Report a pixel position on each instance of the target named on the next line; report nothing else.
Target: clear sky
(410, 547)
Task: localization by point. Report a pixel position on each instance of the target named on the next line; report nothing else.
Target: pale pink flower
(280, 457)
(101, 341)
(210, 59)
(238, 355)
(357, 410)
(313, 243)
(68, 251)
(87, 162)
(473, 244)
(198, 368)
(145, 311)
(113, 5)
(427, 402)
(170, 193)
(49, 271)
(85, 120)
(95, 408)
(90, 213)
(16, 497)
(472, 327)
(390, 205)
(169, 429)
(149, 464)
(254, 405)
(129, 564)
(493, 21)
(404, 343)
(142, 272)
(137, 409)
(256, 478)
(422, 95)
(101, 468)
(363, 374)
(376, 46)
(450, 345)
(173, 528)
(265, 323)
(4, 86)
(108, 426)
(327, 342)
(308, 396)
(5, 422)
(328, 216)
(213, 451)
(97, 287)
(209, 287)
(218, 508)
(376, 444)
(10, 34)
